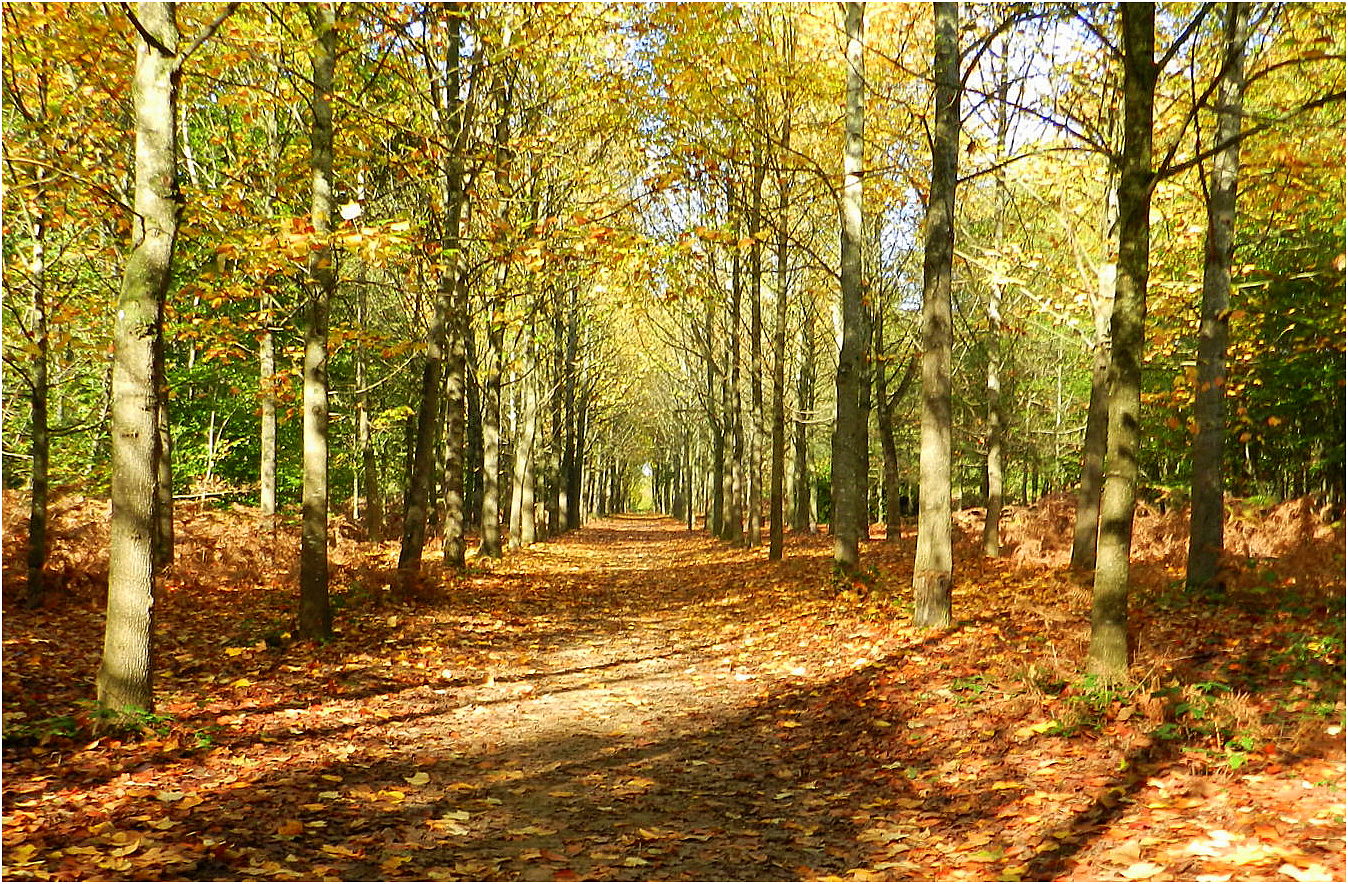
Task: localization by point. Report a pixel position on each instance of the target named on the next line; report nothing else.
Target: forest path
(626, 723)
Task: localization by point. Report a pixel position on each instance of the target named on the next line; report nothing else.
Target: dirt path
(627, 736)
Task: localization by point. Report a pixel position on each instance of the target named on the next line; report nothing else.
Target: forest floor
(637, 702)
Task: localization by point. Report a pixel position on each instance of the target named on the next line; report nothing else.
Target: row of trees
(471, 267)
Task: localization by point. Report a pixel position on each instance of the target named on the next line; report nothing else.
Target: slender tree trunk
(848, 484)
(528, 525)
(522, 509)
(575, 446)
(556, 503)
(1107, 656)
(372, 514)
(777, 492)
(125, 676)
(266, 346)
(1206, 525)
(755, 483)
(41, 440)
(886, 402)
(803, 519)
(933, 564)
(1097, 423)
(443, 336)
(863, 429)
(992, 535)
(266, 357)
(315, 611)
(164, 536)
(734, 528)
(491, 443)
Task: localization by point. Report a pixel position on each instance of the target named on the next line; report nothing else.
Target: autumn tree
(315, 611)
(125, 676)
(1208, 516)
(933, 565)
(849, 430)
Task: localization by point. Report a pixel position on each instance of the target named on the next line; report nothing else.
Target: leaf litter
(635, 702)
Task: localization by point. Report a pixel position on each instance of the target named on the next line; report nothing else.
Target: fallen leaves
(587, 711)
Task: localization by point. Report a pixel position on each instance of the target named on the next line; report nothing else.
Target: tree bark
(1097, 422)
(1206, 524)
(848, 484)
(803, 517)
(125, 676)
(777, 491)
(1107, 656)
(315, 610)
(755, 483)
(41, 439)
(933, 564)
(992, 535)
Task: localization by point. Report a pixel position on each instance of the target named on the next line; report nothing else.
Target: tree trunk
(125, 676)
(1107, 656)
(575, 447)
(1097, 422)
(315, 612)
(41, 441)
(777, 492)
(803, 519)
(848, 484)
(992, 535)
(755, 483)
(266, 358)
(372, 513)
(933, 564)
(1206, 524)
(163, 537)
(734, 526)
(522, 510)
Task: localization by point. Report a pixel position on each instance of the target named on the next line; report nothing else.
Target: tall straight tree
(1107, 656)
(125, 677)
(777, 495)
(1206, 524)
(447, 113)
(315, 612)
(41, 447)
(849, 486)
(934, 563)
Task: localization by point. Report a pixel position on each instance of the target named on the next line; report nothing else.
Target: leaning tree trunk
(315, 610)
(933, 565)
(1205, 527)
(1107, 656)
(848, 484)
(125, 677)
